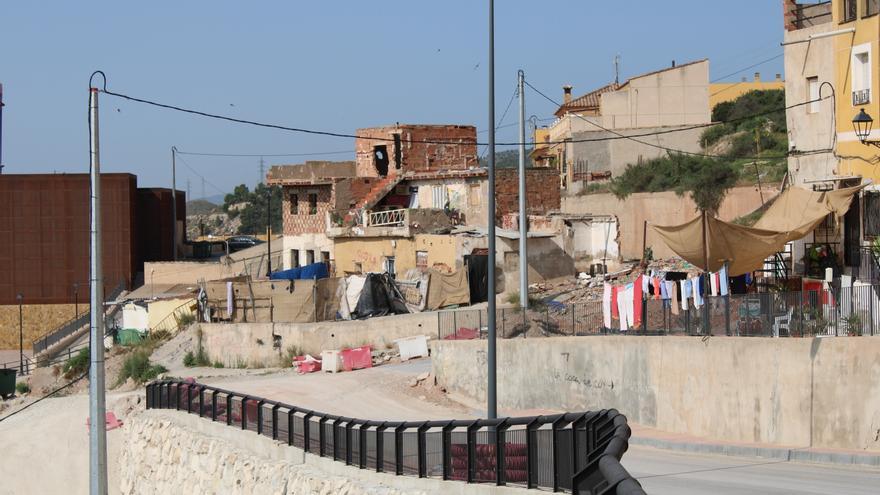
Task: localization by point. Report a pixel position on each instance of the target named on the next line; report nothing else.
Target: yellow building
(855, 72)
(729, 91)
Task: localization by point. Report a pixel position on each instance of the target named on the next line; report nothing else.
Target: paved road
(663, 472)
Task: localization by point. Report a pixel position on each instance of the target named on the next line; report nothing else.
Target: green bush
(22, 388)
(137, 367)
(77, 365)
(199, 358)
(185, 320)
(218, 364)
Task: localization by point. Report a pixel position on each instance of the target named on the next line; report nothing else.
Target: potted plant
(853, 325)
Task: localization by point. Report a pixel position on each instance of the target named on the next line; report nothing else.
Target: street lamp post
(19, 298)
(269, 231)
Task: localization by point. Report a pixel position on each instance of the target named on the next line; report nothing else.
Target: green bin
(129, 336)
(7, 382)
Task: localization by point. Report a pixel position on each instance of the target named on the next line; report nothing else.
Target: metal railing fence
(577, 452)
(69, 327)
(849, 311)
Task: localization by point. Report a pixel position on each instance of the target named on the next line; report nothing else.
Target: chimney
(566, 94)
(673, 63)
(757, 77)
(778, 77)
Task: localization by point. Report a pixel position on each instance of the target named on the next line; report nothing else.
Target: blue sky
(331, 65)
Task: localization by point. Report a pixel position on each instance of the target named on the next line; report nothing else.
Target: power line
(747, 68)
(204, 180)
(616, 136)
(268, 155)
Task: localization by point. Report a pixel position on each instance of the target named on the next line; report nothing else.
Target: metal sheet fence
(576, 452)
(848, 311)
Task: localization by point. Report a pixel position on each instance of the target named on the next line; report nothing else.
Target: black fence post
(291, 412)
(472, 451)
(422, 446)
(177, 396)
(244, 413)
(149, 396)
(189, 399)
(554, 446)
(380, 447)
(307, 442)
(500, 459)
(446, 449)
(398, 449)
(202, 401)
(531, 452)
(260, 416)
(275, 422)
(362, 443)
(228, 409)
(214, 406)
(348, 449)
(322, 435)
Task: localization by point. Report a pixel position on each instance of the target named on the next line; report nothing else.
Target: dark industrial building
(44, 233)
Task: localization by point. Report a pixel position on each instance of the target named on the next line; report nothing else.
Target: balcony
(400, 222)
(861, 97)
(806, 15)
(389, 218)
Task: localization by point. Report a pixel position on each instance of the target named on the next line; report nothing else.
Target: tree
(706, 179)
(253, 214)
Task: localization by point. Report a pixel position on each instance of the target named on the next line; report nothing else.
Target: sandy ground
(46, 448)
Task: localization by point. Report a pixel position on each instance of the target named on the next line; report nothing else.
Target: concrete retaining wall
(822, 392)
(173, 452)
(254, 344)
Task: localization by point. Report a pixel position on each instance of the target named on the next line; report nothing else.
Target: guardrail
(577, 452)
(69, 327)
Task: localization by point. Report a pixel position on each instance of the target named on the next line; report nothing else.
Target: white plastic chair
(782, 322)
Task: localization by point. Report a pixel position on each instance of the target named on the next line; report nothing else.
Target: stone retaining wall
(167, 452)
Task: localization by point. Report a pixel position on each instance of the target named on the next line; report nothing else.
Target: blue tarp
(308, 272)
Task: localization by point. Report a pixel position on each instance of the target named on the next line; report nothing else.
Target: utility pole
(204, 194)
(492, 409)
(268, 229)
(97, 432)
(174, 202)
(188, 194)
(261, 172)
(20, 298)
(523, 219)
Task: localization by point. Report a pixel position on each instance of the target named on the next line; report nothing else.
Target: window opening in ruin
(397, 152)
(380, 159)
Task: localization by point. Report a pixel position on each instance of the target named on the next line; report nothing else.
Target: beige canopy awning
(793, 215)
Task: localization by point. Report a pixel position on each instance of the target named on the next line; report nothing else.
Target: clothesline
(623, 302)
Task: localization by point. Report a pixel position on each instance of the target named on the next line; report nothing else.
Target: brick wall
(303, 222)
(459, 153)
(542, 191)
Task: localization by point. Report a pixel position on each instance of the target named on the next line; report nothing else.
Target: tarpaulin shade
(799, 211)
(448, 289)
(744, 248)
(309, 272)
(794, 214)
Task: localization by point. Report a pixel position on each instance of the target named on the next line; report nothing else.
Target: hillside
(748, 145)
